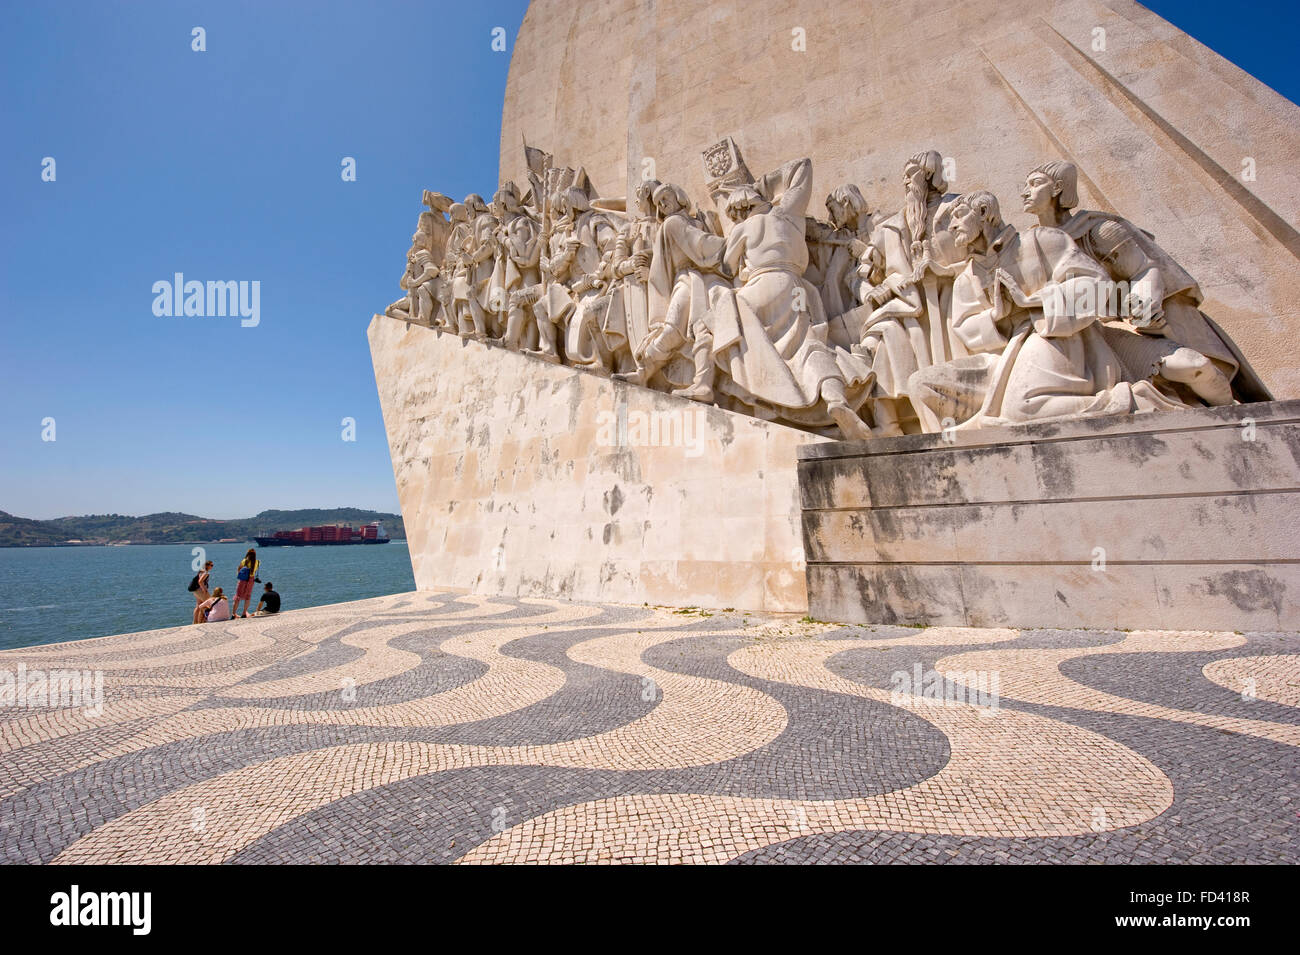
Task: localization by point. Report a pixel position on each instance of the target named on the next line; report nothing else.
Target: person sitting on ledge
(216, 607)
(270, 600)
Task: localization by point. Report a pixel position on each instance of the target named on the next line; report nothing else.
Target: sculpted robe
(683, 271)
(584, 343)
(482, 247)
(630, 297)
(683, 250)
(1043, 359)
(517, 255)
(1130, 254)
(770, 333)
(913, 326)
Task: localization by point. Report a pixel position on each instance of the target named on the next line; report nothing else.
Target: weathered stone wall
(520, 477)
(1158, 125)
(1185, 521)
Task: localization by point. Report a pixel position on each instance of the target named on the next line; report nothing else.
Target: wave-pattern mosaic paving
(448, 727)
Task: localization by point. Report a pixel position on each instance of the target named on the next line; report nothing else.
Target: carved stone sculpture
(630, 301)
(1020, 307)
(938, 316)
(1166, 336)
(769, 332)
(516, 265)
(683, 270)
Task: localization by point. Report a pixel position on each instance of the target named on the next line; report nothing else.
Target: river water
(53, 594)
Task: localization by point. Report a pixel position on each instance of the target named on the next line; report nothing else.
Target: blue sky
(222, 165)
(225, 165)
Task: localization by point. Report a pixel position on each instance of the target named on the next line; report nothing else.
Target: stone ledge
(1171, 521)
(1264, 413)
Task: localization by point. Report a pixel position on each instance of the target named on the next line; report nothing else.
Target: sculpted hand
(1144, 313)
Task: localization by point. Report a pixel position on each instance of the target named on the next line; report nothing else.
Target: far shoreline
(192, 543)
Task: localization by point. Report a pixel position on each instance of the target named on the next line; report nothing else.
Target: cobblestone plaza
(449, 727)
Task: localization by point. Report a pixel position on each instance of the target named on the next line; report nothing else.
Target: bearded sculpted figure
(684, 267)
(769, 331)
(1024, 307)
(906, 273)
(1164, 335)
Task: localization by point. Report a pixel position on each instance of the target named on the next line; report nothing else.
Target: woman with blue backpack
(247, 576)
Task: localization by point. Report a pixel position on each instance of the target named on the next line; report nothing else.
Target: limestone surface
(520, 477)
(1164, 132)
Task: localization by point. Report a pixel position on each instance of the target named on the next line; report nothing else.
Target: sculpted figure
(591, 274)
(433, 223)
(627, 323)
(420, 281)
(1167, 334)
(906, 272)
(769, 332)
(1020, 306)
(479, 254)
(683, 270)
(846, 241)
(430, 237)
(573, 280)
(404, 308)
(517, 263)
(464, 311)
(917, 257)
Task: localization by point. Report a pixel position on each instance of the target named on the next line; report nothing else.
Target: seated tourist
(216, 607)
(269, 602)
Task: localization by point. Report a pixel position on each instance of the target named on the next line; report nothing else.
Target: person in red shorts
(247, 576)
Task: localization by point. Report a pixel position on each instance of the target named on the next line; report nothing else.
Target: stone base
(1185, 521)
(523, 478)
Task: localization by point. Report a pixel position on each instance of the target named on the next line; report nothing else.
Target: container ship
(372, 533)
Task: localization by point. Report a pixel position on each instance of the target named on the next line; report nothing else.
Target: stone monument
(642, 377)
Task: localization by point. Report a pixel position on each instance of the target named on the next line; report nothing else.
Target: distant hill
(175, 528)
(19, 531)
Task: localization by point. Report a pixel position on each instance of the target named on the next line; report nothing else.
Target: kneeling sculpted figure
(1173, 339)
(1020, 306)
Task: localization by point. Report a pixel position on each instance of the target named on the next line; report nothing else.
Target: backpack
(245, 572)
(194, 584)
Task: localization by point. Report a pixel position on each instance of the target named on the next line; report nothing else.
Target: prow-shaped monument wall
(1030, 381)
(525, 478)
